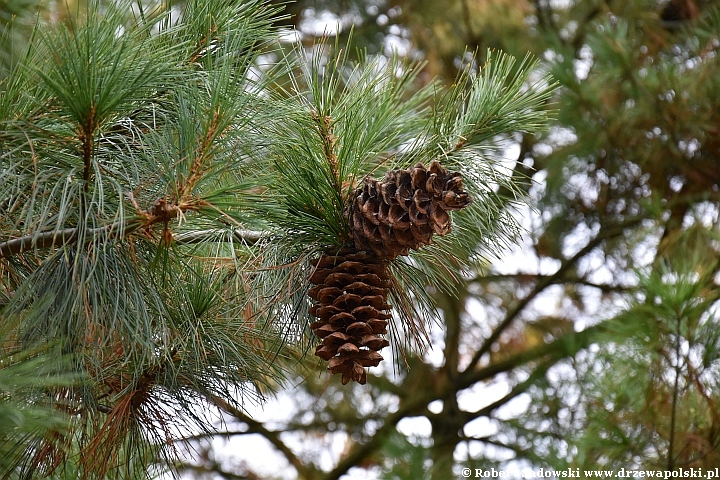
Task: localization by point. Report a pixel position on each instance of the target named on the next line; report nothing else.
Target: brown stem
(58, 238)
(362, 450)
(213, 468)
(197, 169)
(87, 144)
(447, 424)
(324, 125)
(514, 392)
(86, 134)
(565, 346)
(248, 237)
(69, 236)
(526, 278)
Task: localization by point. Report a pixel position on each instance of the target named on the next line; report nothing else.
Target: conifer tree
(599, 350)
(175, 214)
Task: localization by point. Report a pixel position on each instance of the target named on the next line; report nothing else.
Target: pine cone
(400, 213)
(351, 291)
(388, 218)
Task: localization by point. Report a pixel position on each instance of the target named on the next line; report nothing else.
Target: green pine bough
(175, 213)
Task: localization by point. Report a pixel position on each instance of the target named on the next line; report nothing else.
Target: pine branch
(272, 436)
(514, 392)
(247, 237)
(547, 281)
(565, 346)
(324, 126)
(211, 435)
(70, 236)
(361, 451)
(519, 451)
(535, 277)
(416, 404)
(451, 311)
(214, 469)
(60, 238)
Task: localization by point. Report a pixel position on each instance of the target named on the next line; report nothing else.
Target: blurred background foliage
(593, 345)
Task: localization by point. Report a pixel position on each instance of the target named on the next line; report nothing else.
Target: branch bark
(514, 392)
(70, 236)
(213, 469)
(447, 424)
(563, 347)
(361, 450)
(415, 405)
(248, 237)
(58, 238)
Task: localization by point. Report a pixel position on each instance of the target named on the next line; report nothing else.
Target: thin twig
(547, 281)
(523, 278)
(360, 451)
(248, 237)
(565, 346)
(55, 239)
(271, 435)
(324, 125)
(514, 392)
(212, 468)
(69, 236)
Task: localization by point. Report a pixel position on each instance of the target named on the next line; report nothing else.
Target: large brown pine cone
(351, 290)
(388, 218)
(400, 213)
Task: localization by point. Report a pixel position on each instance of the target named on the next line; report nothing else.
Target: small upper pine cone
(401, 212)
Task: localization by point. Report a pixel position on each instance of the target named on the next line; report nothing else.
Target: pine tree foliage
(349, 127)
(16, 26)
(120, 133)
(27, 413)
(666, 344)
(581, 341)
(643, 160)
(164, 198)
